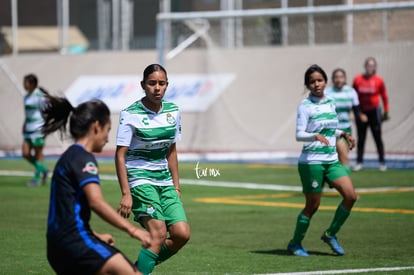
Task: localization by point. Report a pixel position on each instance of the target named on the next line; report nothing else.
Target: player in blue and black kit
(72, 246)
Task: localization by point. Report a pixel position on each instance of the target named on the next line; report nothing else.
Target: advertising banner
(191, 92)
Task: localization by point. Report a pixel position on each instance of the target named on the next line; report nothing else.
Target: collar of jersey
(317, 100)
(151, 111)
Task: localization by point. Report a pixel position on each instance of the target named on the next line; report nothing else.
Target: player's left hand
(351, 141)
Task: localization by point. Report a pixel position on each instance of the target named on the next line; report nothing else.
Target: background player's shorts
(77, 257)
(313, 176)
(36, 142)
(157, 202)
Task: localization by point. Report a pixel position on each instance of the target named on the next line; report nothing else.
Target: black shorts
(80, 257)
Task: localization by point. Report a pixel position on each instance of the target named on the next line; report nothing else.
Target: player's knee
(350, 198)
(310, 209)
(353, 197)
(181, 237)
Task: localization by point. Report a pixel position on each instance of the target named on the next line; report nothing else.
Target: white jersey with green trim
(33, 117)
(148, 136)
(345, 99)
(317, 116)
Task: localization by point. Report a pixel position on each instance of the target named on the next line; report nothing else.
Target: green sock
(146, 261)
(40, 168)
(339, 219)
(164, 254)
(302, 225)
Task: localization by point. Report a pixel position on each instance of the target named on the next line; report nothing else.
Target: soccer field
(241, 216)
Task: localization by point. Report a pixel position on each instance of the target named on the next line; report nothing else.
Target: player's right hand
(125, 206)
(322, 139)
(385, 116)
(363, 118)
(141, 235)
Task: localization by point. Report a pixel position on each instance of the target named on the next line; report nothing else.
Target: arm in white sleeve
(125, 131)
(301, 124)
(338, 133)
(305, 136)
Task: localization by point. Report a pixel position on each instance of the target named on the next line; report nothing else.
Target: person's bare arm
(126, 201)
(173, 167)
(98, 204)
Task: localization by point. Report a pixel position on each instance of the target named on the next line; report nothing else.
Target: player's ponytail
(55, 113)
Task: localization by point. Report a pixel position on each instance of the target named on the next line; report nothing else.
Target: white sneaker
(357, 167)
(383, 167)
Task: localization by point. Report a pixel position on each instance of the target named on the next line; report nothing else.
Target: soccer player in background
(72, 246)
(147, 169)
(370, 88)
(317, 127)
(34, 140)
(346, 100)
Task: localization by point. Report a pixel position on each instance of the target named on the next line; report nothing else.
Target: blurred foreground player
(72, 246)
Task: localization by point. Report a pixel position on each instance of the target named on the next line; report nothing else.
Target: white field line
(346, 271)
(245, 185)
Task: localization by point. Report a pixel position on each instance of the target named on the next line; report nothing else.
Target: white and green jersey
(148, 136)
(317, 116)
(345, 99)
(33, 117)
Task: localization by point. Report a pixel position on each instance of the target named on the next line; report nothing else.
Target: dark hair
(32, 79)
(338, 70)
(370, 59)
(152, 68)
(311, 70)
(58, 109)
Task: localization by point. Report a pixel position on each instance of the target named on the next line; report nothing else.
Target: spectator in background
(370, 87)
(34, 139)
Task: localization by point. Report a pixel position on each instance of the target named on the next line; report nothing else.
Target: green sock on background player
(339, 219)
(146, 261)
(164, 254)
(302, 225)
(40, 168)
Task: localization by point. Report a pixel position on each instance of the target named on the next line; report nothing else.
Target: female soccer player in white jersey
(34, 139)
(317, 127)
(147, 169)
(346, 99)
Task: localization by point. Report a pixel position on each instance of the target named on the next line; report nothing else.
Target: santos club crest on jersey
(170, 119)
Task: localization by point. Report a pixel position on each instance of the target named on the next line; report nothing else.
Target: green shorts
(35, 142)
(157, 202)
(313, 176)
